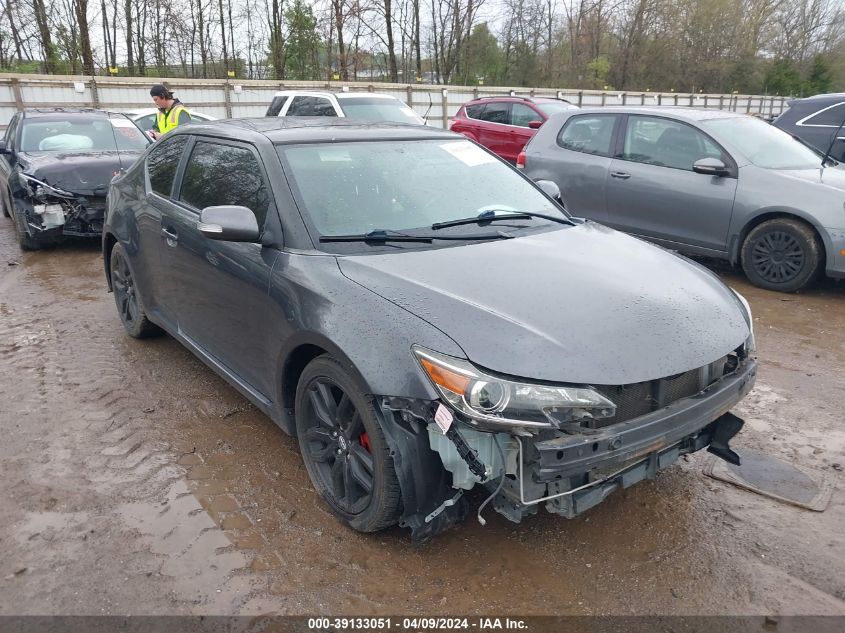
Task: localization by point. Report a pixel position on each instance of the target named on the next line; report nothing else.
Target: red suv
(505, 124)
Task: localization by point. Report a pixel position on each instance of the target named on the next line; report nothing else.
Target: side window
(146, 123)
(831, 116)
(162, 163)
(522, 115)
(588, 134)
(222, 174)
(496, 113)
(665, 142)
(10, 132)
(474, 111)
(310, 106)
(276, 105)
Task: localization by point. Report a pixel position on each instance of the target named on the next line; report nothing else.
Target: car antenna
(830, 147)
(430, 103)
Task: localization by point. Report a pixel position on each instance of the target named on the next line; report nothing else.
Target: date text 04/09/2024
(417, 624)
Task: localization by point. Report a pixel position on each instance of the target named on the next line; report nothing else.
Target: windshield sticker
(469, 154)
(334, 155)
(122, 123)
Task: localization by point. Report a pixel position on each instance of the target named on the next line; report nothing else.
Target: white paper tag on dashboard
(443, 418)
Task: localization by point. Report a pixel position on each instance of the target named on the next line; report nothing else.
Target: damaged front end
(50, 213)
(564, 447)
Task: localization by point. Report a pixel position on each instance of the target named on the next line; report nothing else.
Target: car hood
(82, 173)
(833, 177)
(585, 304)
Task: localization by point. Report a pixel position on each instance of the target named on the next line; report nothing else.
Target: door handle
(620, 174)
(172, 238)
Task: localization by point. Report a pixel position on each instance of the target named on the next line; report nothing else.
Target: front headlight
(496, 404)
(750, 343)
(39, 189)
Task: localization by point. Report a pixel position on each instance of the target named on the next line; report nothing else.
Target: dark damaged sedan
(424, 318)
(55, 168)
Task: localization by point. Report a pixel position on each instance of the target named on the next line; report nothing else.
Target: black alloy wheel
(782, 254)
(126, 297)
(344, 448)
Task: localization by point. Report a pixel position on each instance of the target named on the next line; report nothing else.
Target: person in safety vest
(171, 112)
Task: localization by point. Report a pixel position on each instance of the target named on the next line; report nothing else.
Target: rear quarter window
(276, 106)
(162, 163)
(590, 134)
(474, 111)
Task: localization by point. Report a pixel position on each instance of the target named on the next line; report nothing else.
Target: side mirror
(550, 188)
(228, 223)
(535, 125)
(3, 149)
(710, 167)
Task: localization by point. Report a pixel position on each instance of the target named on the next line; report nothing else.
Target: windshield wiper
(382, 235)
(489, 215)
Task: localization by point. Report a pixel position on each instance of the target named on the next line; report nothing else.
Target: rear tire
(783, 254)
(130, 306)
(6, 213)
(344, 448)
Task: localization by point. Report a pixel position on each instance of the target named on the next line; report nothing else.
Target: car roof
(336, 95)
(832, 97)
(518, 98)
(682, 113)
(282, 130)
(39, 112)
(148, 111)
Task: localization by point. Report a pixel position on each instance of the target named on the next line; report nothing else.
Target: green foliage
(597, 72)
(483, 57)
(820, 79)
(782, 78)
(303, 43)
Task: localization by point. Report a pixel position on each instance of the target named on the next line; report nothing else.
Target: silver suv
(371, 106)
(706, 182)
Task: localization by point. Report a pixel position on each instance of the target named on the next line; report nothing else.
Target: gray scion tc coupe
(424, 318)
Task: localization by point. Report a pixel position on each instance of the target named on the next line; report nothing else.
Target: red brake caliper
(365, 441)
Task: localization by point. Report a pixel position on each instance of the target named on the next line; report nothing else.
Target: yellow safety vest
(169, 121)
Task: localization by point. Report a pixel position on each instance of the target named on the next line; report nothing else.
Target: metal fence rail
(246, 98)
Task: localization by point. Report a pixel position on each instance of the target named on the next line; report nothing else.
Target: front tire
(344, 448)
(782, 254)
(25, 241)
(130, 307)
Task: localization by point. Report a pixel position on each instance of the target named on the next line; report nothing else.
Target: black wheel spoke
(321, 445)
(355, 426)
(361, 464)
(118, 278)
(345, 412)
(325, 408)
(131, 310)
(348, 484)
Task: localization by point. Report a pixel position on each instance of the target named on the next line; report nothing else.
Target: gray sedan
(705, 182)
(423, 318)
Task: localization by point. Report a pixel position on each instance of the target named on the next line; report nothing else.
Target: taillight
(520, 160)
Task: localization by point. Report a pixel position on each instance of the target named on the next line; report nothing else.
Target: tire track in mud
(101, 455)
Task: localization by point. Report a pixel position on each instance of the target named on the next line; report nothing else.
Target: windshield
(378, 109)
(354, 188)
(549, 108)
(763, 144)
(80, 134)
